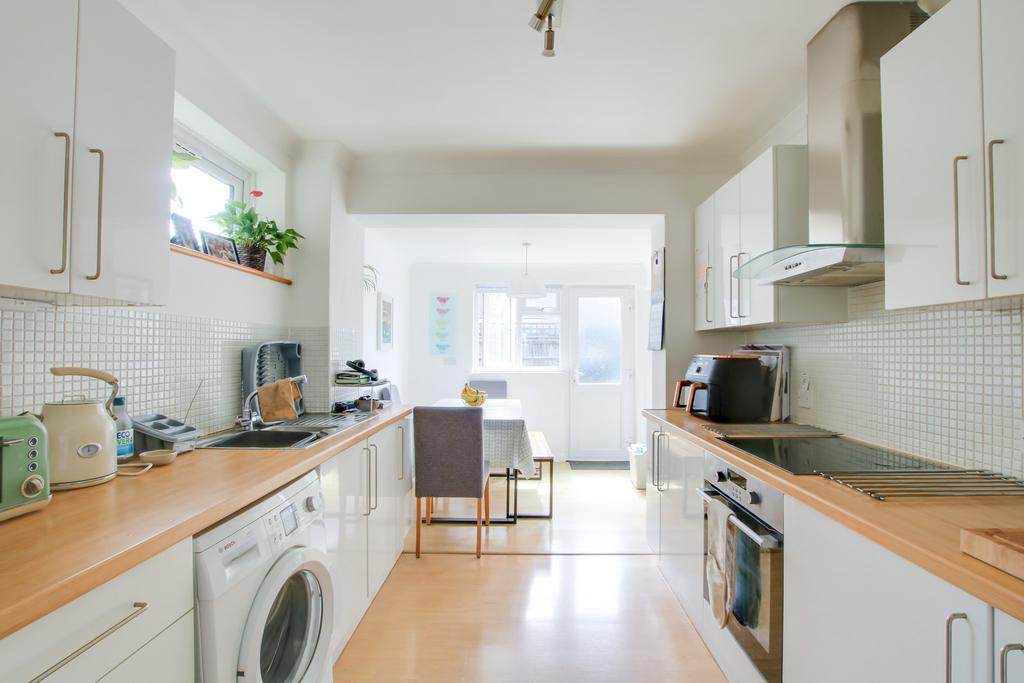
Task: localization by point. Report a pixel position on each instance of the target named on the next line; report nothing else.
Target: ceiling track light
(542, 14)
(549, 38)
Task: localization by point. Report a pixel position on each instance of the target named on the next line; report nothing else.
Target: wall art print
(442, 324)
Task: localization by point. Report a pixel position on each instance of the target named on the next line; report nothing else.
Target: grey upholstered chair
(449, 447)
(495, 388)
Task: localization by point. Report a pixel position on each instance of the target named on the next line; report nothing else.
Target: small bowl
(158, 457)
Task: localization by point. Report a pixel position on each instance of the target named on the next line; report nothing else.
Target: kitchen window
(517, 334)
(203, 179)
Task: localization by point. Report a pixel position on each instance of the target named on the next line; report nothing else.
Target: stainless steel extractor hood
(844, 141)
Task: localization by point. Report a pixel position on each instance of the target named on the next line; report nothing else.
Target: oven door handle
(764, 542)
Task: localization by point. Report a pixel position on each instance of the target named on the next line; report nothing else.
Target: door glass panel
(599, 340)
(292, 630)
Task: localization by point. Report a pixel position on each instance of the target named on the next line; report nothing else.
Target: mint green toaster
(24, 467)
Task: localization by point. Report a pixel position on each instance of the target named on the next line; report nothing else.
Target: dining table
(506, 440)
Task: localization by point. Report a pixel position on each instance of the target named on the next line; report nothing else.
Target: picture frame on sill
(184, 235)
(385, 322)
(219, 246)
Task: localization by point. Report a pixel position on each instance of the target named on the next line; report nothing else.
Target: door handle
(956, 221)
(662, 435)
(732, 276)
(401, 460)
(949, 643)
(992, 209)
(707, 294)
(99, 215)
(1003, 656)
(64, 214)
(739, 288)
(366, 450)
(376, 478)
(655, 441)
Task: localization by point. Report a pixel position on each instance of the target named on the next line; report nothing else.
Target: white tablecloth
(506, 441)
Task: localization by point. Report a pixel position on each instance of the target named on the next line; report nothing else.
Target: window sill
(228, 264)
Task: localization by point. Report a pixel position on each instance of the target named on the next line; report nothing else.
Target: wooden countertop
(86, 537)
(925, 531)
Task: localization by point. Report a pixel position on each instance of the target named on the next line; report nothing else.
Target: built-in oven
(756, 526)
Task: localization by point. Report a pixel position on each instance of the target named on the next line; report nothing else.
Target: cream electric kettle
(83, 437)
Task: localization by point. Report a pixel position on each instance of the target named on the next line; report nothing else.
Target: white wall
(545, 395)
(393, 263)
(575, 186)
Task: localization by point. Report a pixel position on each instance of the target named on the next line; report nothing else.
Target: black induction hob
(828, 454)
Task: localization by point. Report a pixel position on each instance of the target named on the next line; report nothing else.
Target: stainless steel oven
(756, 572)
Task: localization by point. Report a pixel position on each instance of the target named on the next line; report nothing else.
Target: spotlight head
(549, 39)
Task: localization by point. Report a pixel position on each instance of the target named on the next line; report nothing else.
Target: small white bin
(638, 465)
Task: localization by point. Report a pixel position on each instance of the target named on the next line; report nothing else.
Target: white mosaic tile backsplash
(159, 358)
(942, 382)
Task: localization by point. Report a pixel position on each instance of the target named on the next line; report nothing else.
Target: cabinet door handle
(992, 210)
(707, 294)
(739, 288)
(99, 216)
(732, 276)
(1003, 655)
(376, 477)
(369, 485)
(956, 220)
(139, 608)
(655, 440)
(949, 643)
(663, 435)
(401, 460)
(67, 196)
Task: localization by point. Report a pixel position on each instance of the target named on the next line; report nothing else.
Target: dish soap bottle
(125, 431)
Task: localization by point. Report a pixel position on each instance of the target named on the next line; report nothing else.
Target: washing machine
(264, 596)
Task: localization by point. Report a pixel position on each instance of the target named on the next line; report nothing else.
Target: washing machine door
(288, 631)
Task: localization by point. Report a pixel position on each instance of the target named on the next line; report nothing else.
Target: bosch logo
(791, 266)
(228, 546)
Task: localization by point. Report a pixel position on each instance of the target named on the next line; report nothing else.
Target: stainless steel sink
(294, 434)
(263, 439)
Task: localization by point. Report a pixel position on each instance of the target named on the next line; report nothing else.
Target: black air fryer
(727, 388)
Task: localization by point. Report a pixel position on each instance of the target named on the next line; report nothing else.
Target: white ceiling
(556, 240)
(698, 78)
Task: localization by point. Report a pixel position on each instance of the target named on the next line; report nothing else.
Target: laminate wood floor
(525, 618)
(596, 511)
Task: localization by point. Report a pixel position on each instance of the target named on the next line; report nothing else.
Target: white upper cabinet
(1003, 60)
(727, 252)
(124, 120)
(761, 209)
(704, 265)
(953, 141)
(933, 162)
(87, 129)
(37, 120)
(756, 303)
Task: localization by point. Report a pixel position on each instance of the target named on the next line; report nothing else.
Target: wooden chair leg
(479, 520)
(487, 502)
(430, 509)
(419, 522)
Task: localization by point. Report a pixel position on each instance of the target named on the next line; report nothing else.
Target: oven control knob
(720, 477)
(312, 503)
(753, 498)
(33, 486)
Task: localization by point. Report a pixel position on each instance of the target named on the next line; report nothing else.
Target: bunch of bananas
(473, 397)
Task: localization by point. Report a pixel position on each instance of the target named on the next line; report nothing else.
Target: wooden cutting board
(768, 430)
(1001, 548)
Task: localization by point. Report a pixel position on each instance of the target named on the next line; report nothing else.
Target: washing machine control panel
(288, 519)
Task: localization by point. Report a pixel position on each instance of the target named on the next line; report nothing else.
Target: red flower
(256, 193)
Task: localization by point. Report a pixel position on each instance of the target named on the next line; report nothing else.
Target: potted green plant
(255, 237)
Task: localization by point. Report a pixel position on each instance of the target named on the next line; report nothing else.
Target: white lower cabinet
(682, 521)
(652, 493)
(140, 620)
(1009, 648)
(856, 612)
(366, 491)
(168, 658)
